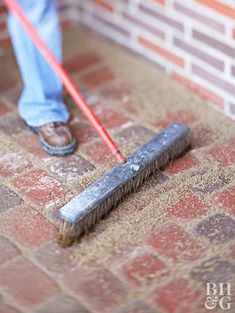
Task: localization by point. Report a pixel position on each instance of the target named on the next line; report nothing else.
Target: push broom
(86, 209)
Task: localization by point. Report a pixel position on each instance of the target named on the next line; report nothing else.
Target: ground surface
(156, 251)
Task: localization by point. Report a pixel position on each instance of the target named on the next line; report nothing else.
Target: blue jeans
(40, 101)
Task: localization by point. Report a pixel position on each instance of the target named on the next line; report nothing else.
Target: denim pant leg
(40, 101)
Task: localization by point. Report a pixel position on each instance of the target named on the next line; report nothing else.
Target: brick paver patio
(156, 251)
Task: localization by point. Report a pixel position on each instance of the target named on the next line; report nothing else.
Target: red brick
(3, 9)
(177, 296)
(40, 188)
(30, 142)
(221, 8)
(109, 117)
(134, 137)
(12, 97)
(62, 304)
(161, 1)
(226, 199)
(27, 227)
(70, 168)
(5, 43)
(82, 61)
(174, 243)
(97, 77)
(65, 23)
(188, 207)
(105, 5)
(27, 283)
(181, 164)
(119, 92)
(162, 52)
(7, 309)
(143, 268)
(187, 117)
(12, 125)
(98, 154)
(8, 250)
(101, 290)
(3, 26)
(200, 90)
(222, 153)
(55, 258)
(7, 83)
(203, 135)
(13, 163)
(83, 132)
(3, 109)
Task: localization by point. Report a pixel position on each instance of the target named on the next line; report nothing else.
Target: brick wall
(192, 40)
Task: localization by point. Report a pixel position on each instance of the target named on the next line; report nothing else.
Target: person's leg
(40, 102)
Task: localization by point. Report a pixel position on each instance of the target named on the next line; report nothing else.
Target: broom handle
(66, 80)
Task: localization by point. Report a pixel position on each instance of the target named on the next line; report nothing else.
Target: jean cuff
(48, 119)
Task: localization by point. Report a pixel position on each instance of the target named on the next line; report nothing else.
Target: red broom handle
(66, 80)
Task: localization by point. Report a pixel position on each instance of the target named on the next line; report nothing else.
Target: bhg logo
(218, 295)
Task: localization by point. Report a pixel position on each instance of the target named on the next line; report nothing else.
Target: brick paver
(156, 251)
(28, 284)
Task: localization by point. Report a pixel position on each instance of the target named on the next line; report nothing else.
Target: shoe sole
(54, 151)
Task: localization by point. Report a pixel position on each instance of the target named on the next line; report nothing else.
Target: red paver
(174, 243)
(83, 61)
(40, 188)
(101, 290)
(3, 109)
(176, 296)
(97, 154)
(7, 83)
(7, 309)
(181, 164)
(28, 227)
(13, 163)
(70, 168)
(55, 259)
(8, 250)
(62, 304)
(13, 125)
(187, 117)
(224, 154)
(119, 92)
(143, 267)
(203, 135)
(188, 207)
(83, 132)
(110, 117)
(28, 284)
(30, 142)
(97, 77)
(226, 199)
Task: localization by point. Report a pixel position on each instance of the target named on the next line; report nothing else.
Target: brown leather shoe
(56, 138)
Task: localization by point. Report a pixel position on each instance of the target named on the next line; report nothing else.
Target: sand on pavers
(154, 95)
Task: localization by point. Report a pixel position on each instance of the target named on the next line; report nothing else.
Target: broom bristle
(71, 231)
